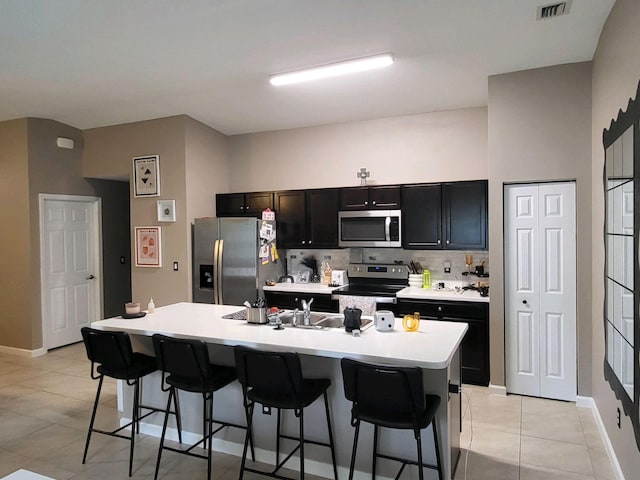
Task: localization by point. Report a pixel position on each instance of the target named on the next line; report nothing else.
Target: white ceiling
(90, 63)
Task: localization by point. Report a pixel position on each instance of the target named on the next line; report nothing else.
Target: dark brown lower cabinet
(475, 345)
(289, 301)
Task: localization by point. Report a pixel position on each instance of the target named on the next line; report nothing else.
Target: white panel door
(69, 269)
(522, 298)
(540, 290)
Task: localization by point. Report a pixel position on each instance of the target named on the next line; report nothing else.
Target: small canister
(257, 315)
(426, 279)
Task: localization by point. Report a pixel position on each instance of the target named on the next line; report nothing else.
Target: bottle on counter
(151, 307)
(426, 279)
(325, 271)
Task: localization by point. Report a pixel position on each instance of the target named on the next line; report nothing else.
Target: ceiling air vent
(545, 12)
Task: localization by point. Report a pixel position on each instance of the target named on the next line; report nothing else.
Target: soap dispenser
(151, 307)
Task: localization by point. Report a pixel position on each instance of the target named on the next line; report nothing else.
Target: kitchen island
(434, 348)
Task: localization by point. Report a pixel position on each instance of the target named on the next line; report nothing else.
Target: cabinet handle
(448, 242)
(373, 203)
(366, 202)
(524, 302)
(439, 309)
(303, 242)
(438, 242)
(309, 242)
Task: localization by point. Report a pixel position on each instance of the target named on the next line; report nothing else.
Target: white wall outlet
(447, 267)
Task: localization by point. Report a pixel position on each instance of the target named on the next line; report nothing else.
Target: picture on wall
(146, 176)
(148, 252)
(166, 210)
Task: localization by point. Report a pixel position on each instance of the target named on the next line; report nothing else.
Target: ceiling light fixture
(333, 69)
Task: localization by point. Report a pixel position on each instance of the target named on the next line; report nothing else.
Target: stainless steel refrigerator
(232, 259)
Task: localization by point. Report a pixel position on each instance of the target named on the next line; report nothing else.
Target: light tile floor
(45, 404)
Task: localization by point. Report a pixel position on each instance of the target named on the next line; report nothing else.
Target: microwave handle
(387, 228)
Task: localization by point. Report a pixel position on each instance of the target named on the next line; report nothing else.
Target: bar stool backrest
(383, 388)
(185, 359)
(112, 350)
(274, 372)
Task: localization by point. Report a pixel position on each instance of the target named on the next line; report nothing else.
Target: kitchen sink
(319, 321)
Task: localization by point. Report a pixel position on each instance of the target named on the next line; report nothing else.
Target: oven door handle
(377, 299)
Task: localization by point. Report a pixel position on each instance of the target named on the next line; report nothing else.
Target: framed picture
(148, 247)
(166, 210)
(146, 176)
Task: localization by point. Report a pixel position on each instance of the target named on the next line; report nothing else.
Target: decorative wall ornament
(363, 174)
(166, 210)
(146, 176)
(148, 247)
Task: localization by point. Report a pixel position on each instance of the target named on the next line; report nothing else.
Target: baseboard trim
(22, 352)
(589, 402)
(498, 390)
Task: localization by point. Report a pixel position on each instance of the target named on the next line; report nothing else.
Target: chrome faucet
(306, 312)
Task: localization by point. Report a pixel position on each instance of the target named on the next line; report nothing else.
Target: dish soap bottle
(151, 307)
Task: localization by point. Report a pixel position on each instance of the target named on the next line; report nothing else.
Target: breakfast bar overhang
(435, 348)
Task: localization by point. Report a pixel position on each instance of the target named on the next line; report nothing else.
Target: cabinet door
(356, 198)
(289, 301)
(421, 217)
(230, 204)
(475, 345)
(256, 202)
(475, 351)
(465, 215)
(290, 218)
(384, 198)
(322, 218)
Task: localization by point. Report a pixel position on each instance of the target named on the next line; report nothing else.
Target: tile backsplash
(434, 260)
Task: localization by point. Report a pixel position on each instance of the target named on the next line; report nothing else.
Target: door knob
(90, 277)
(524, 301)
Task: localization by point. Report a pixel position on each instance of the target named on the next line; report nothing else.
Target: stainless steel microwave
(369, 228)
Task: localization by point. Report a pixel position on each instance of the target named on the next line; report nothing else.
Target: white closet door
(522, 298)
(540, 286)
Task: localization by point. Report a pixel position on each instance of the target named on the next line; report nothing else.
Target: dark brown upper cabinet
(422, 216)
(384, 197)
(445, 216)
(464, 219)
(243, 204)
(307, 218)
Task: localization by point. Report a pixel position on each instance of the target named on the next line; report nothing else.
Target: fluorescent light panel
(333, 70)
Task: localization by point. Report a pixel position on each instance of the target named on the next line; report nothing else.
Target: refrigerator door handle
(216, 267)
(220, 256)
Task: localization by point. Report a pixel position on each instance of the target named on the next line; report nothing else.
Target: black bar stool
(185, 366)
(391, 397)
(274, 380)
(115, 358)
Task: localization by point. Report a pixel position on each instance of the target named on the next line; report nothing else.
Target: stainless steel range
(379, 281)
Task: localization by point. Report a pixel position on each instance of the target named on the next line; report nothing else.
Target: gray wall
(15, 298)
(616, 71)
(37, 166)
(429, 147)
(539, 130)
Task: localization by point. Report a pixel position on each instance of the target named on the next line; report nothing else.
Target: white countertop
(319, 288)
(416, 293)
(431, 347)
